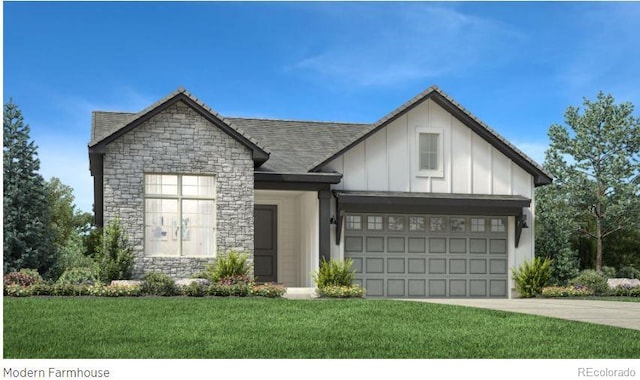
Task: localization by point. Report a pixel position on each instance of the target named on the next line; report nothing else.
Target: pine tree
(28, 238)
(595, 161)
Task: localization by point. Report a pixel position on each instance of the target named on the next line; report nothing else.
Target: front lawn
(149, 327)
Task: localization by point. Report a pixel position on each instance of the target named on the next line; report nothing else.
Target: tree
(595, 163)
(115, 255)
(65, 219)
(28, 241)
(553, 234)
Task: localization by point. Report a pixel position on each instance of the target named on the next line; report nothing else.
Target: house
(428, 201)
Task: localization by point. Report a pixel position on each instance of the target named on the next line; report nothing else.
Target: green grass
(85, 327)
(609, 298)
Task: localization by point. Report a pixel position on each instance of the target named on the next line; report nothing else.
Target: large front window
(180, 215)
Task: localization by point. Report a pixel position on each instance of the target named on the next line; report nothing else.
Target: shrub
(567, 291)
(15, 290)
(268, 290)
(78, 276)
(115, 291)
(532, 276)
(608, 272)
(114, 256)
(565, 266)
(68, 289)
(194, 289)
(341, 291)
(41, 289)
(25, 277)
(334, 273)
(72, 255)
(232, 263)
(223, 290)
(158, 284)
(593, 280)
(628, 272)
(236, 279)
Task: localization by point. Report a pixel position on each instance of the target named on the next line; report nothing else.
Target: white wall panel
(355, 175)
(460, 158)
(501, 173)
(522, 182)
(398, 157)
(376, 162)
(481, 156)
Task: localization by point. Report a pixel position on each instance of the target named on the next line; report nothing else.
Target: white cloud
(409, 42)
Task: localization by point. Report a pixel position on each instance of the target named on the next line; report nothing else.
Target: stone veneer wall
(179, 140)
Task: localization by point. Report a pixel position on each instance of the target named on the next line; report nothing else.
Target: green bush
(532, 276)
(68, 289)
(159, 284)
(593, 280)
(72, 255)
(115, 291)
(232, 263)
(222, 290)
(114, 256)
(566, 291)
(78, 276)
(41, 289)
(268, 290)
(353, 291)
(628, 272)
(16, 290)
(194, 289)
(25, 277)
(608, 272)
(334, 273)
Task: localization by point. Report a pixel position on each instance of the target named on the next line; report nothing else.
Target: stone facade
(179, 140)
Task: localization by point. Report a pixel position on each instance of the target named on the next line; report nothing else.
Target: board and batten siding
(387, 161)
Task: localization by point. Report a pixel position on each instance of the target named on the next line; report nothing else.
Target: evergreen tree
(595, 165)
(28, 238)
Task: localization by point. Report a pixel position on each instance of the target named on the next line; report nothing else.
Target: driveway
(612, 313)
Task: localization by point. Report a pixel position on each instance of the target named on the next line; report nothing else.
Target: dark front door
(265, 243)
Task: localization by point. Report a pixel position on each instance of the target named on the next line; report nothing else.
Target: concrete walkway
(612, 313)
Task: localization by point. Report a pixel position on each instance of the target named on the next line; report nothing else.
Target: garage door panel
(498, 246)
(498, 288)
(457, 245)
(417, 266)
(437, 245)
(417, 245)
(375, 287)
(429, 256)
(417, 288)
(457, 288)
(374, 265)
(395, 288)
(457, 266)
(478, 288)
(437, 288)
(353, 244)
(498, 266)
(395, 244)
(437, 266)
(375, 244)
(477, 266)
(477, 245)
(395, 266)
(357, 264)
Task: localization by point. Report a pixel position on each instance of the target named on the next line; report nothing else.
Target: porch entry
(266, 243)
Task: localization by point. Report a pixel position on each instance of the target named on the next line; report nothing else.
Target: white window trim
(179, 198)
(436, 173)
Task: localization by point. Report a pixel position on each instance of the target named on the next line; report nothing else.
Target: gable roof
(108, 126)
(295, 146)
(541, 176)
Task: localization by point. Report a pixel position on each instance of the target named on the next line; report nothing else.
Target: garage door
(428, 255)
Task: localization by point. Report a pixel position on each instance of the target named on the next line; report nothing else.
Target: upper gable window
(429, 152)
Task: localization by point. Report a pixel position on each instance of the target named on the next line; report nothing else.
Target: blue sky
(516, 66)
